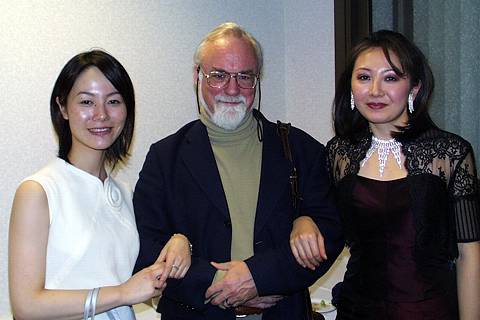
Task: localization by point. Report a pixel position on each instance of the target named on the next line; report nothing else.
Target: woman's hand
(307, 243)
(143, 285)
(177, 257)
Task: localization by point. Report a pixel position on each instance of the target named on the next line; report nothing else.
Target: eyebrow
(249, 71)
(85, 92)
(368, 69)
(92, 94)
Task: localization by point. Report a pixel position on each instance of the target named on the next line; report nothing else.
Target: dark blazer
(180, 191)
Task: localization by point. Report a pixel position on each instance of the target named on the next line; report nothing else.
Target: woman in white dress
(73, 240)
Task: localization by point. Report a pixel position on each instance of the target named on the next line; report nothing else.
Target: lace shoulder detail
(344, 157)
(445, 155)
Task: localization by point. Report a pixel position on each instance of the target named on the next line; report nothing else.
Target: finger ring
(174, 266)
(228, 305)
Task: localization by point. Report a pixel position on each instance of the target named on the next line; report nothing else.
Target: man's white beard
(225, 115)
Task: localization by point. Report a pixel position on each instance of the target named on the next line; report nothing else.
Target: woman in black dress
(407, 192)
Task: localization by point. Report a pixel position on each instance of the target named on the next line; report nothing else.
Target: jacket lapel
(198, 157)
(274, 177)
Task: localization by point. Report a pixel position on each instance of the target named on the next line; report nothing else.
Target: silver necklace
(383, 147)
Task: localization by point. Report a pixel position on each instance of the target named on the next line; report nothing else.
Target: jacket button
(228, 223)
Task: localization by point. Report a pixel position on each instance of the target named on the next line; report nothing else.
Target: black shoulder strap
(283, 130)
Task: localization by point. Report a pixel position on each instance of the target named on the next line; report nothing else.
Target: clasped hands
(172, 262)
(237, 288)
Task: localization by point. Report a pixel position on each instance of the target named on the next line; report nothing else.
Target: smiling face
(227, 106)
(380, 95)
(95, 111)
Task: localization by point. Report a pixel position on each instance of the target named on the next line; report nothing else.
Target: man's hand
(236, 287)
(263, 302)
(307, 243)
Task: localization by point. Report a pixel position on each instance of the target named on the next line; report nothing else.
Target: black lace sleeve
(464, 188)
(450, 157)
(332, 160)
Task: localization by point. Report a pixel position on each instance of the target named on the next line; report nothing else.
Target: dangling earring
(410, 102)
(352, 101)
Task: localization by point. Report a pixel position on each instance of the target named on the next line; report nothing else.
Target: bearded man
(224, 182)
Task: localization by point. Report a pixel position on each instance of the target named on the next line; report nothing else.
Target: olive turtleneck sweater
(238, 154)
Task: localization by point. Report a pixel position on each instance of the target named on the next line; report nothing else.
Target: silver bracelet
(88, 302)
(93, 305)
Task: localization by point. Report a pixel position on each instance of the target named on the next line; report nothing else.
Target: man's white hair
(229, 29)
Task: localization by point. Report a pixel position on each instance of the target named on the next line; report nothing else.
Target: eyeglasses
(220, 79)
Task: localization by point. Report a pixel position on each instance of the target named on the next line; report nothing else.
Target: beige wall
(155, 41)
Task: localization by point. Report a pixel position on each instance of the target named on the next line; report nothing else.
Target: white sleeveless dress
(93, 239)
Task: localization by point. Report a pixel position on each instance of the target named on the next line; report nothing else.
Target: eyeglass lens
(220, 79)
